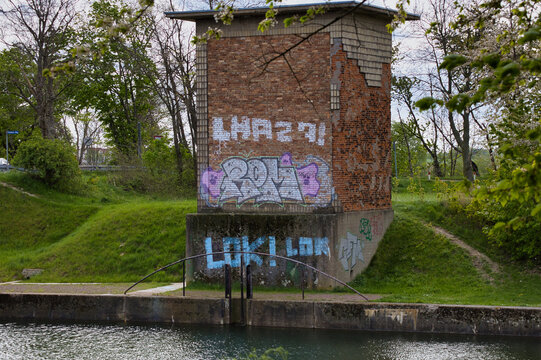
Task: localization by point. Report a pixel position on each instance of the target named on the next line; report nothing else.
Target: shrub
(52, 161)
(157, 172)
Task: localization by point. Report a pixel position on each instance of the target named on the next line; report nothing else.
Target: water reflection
(61, 341)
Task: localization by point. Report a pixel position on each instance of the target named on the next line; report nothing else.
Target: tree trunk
(409, 153)
(437, 167)
(491, 152)
(467, 169)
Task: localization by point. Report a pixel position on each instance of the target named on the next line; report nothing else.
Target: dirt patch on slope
(18, 189)
(480, 260)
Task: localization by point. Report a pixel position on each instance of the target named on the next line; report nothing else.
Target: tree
(508, 63)
(15, 114)
(114, 80)
(173, 80)
(444, 39)
(416, 126)
(40, 31)
(411, 156)
(87, 131)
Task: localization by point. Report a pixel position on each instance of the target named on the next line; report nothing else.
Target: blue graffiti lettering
(272, 250)
(235, 241)
(321, 246)
(305, 246)
(252, 247)
(289, 247)
(211, 264)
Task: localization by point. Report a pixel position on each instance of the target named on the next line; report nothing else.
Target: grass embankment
(103, 235)
(110, 235)
(413, 264)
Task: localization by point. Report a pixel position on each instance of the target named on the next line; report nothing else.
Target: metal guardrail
(10, 167)
(108, 168)
(84, 168)
(242, 270)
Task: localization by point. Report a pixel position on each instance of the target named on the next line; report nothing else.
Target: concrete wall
(397, 317)
(487, 320)
(340, 244)
(115, 308)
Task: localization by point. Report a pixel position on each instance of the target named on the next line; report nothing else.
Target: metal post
(395, 163)
(227, 278)
(242, 290)
(139, 149)
(249, 287)
(184, 278)
(7, 150)
(302, 281)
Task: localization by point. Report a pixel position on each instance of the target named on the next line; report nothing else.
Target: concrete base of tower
(341, 245)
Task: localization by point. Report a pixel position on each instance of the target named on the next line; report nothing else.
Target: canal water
(76, 341)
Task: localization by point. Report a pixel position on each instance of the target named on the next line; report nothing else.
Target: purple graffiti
(308, 179)
(286, 159)
(266, 179)
(210, 182)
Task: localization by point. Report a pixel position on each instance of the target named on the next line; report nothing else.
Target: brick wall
(310, 134)
(269, 127)
(361, 136)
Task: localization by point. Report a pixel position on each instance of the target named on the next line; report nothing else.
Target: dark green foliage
(411, 156)
(511, 205)
(162, 168)
(158, 172)
(453, 61)
(15, 114)
(51, 160)
(269, 354)
(116, 83)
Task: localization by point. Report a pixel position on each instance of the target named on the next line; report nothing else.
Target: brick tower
(293, 148)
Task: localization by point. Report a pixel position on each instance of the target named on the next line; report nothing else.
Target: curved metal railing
(251, 253)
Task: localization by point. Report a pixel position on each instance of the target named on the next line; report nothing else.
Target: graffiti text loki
(307, 246)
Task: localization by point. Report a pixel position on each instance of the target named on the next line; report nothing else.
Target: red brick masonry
(279, 113)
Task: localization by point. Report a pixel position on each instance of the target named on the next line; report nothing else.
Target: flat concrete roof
(194, 15)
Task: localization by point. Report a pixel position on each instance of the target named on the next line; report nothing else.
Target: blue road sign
(12, 132)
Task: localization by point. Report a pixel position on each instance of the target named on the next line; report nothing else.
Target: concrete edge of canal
(427, 318)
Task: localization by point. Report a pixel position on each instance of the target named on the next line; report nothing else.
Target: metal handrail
(246, 252)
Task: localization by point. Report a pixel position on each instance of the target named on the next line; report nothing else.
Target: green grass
(30, 223)
(78, 238)
(105, 234)
(413, 264)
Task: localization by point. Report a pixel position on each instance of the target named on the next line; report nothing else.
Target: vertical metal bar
(242, 289)
(302, 281)
(184, 278)
(7, 150)
(249, 288)
(227, 278)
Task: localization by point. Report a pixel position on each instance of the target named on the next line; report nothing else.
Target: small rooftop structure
(195, 15)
